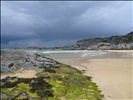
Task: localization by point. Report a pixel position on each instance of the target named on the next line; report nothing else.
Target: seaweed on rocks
(50, 70)
(39, 84)
(53, 81)
(9, 84)
(33, 86)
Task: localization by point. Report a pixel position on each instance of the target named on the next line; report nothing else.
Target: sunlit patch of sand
(21, 74)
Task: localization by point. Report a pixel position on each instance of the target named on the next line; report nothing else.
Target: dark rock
(44, 93)
(7, 78)
(50, 70)
(35, 85)
(9, 84)
(24, 80)
(83, 70)
(42, 82)
(10, 65)
(38, 84)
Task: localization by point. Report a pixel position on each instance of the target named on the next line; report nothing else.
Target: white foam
(66, 51)
(83, 55)
(96, 53)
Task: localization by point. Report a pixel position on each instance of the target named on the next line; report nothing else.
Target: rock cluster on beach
(52, 79)
(12, 61)
(38, 85)
(14, 88)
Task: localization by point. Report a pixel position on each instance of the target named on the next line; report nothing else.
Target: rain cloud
(58, 23)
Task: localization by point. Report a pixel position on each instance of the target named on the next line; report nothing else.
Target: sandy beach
(21, 74)
(112, 75)
(112, 72)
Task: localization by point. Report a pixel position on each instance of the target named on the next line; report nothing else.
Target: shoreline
(112, 72)
(52, 80)
(113, 75)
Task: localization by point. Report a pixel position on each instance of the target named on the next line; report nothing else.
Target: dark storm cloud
(49, 23)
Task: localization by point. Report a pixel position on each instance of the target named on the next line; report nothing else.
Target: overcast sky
(56, 23)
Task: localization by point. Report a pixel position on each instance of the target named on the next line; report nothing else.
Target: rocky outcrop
(12, 61)
(53, 80)
(109, 46)
(107, 43)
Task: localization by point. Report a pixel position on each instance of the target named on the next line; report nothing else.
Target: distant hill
(113, 42)
(124, 42)
(33, 48)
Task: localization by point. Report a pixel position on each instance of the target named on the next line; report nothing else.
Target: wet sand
(112, 72)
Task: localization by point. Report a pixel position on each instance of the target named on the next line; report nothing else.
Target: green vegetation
(70, 84)
(63, 83)
(38, 54)
(14, 68)
(15, 91)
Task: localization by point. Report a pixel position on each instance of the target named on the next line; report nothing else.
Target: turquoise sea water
(61, 53)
